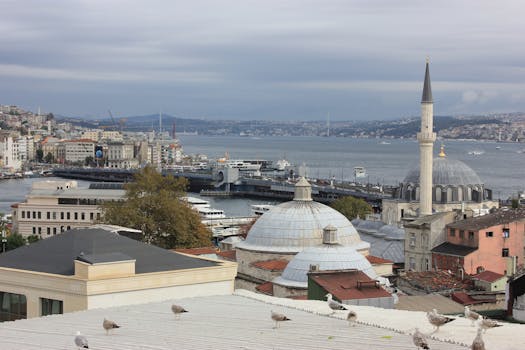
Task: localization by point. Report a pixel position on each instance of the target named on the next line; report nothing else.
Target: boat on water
(260, 209)
(203, 208)
(359, 172)
(282, 164)
(384, 143)
(476, 153)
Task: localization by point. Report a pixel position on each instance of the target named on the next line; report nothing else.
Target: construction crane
(113, 120)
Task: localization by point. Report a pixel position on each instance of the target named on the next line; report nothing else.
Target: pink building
(492, 242)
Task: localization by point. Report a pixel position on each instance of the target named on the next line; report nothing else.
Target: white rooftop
(242, 321)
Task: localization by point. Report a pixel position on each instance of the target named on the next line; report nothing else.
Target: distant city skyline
(271, 60)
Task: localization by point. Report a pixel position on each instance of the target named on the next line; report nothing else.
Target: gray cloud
(253, 59)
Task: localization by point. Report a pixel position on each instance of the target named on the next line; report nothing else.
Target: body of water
(499, 165)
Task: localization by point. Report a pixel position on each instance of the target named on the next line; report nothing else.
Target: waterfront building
(99, 134)
(121, 155)
(53, 207)
(75, 151)
(92, 268)
(9, 153)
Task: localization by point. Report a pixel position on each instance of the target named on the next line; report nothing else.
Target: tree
(89, 161)
(153, 206)
(15, 240)
(49, 157)
(39, 155)
(33, 239)
(351, 207)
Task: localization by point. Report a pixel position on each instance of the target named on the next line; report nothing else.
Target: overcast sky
(263, 59)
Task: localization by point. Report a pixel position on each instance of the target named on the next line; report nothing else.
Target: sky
(264, 60)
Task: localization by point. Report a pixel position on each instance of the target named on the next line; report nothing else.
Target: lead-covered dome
(293, 226)
(446, 171)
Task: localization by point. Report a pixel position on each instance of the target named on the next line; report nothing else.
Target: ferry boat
(259, 209)
(282, 164)
(359, 172)
(203, 208)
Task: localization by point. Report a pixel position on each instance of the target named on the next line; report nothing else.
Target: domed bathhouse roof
(328, 256)
(293, 226)
(446, 171)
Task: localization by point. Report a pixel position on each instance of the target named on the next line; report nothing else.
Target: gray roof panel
(427, 89)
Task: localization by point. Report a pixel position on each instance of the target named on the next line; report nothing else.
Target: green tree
(49, 157)
(14, 241)
(39, 155)
(89, 161)
(351, 207)
(153, 206)
(33, 239)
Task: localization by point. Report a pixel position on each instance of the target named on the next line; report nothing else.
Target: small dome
(446, 171)
(327, 257)
(392, 232)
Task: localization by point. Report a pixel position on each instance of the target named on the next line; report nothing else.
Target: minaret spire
(426, 138)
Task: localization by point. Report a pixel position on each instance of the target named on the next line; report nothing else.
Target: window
(412, 263)
(61, 215)
(48, 215)
(34, 215)
(461, 234)
(54, 215)
(48, 231)
(91, 216)
(12, 306)
(489, 234)
(68, 215)
(470, 235)
(76, 216)
(54, 230)
(34, 230)
(98, 216)
(505, 252)
(40, 215)
(40, 230)
(23, 214)
(506, 233)
(452, 232)
(51, 307)
(82, 216)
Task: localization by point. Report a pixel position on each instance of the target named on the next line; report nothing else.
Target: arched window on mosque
(438, 194)
(449, 194)
(460, 193)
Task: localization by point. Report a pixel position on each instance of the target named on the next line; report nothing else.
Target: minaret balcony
(426, 136)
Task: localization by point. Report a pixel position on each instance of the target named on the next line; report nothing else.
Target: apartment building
(75, 151)
(53, 207)
(121, 155)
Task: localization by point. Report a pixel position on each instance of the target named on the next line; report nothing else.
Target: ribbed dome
(446, 171)
(327, 257)
(293, 226)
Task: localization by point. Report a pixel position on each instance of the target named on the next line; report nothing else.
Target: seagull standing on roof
(333, 304)
(486, 323)
(177, 310)
(351, 318)
(478, 343)
(471, 315)
(277, 317)
(419, 340)
(109, 325)
(438, 320)
(81, 341)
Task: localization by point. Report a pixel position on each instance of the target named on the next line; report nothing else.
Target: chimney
(330, 235)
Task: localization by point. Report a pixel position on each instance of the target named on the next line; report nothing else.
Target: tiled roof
(197, 251)
(434, 281)
(347, 285)
(377, 260)
(447, 248)
(228, 255)
(488, 276)
(271, 265)
(226, 323)
(502, 216)
(465, 299)
(265, 288)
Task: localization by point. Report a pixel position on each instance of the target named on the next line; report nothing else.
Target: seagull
(277, 317)
(333, 304)
(478, 343)
(352, 317)
(419, 340)
(438, 320)
(177, 310)
(471, 315)
(486, 323)
(109, 325)
(81, 341)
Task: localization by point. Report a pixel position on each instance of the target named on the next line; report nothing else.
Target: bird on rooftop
(438, 320)
(471, 315)
(419, 340)
(352, 318)
(333, 304)
(177, 310)
(109, 325)
(478, 343)
(81, 341)
(277, 317)
(486, 323)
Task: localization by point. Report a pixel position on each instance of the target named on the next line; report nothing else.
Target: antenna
(328, 125)
(160, 121)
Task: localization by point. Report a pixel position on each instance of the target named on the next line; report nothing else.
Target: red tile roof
(349, 284)
(488, 276)
(228, 255)
(465, 299)
(265, 288)
(197, 251)
(271, 265)
(377, 260)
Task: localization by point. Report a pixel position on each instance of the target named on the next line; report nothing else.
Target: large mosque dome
(293, 226)
(447, 171)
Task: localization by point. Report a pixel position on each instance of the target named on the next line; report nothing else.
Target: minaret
(426, 140)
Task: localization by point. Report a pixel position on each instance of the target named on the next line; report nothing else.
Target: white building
(75, 151)
(121, 155)
(56, 206)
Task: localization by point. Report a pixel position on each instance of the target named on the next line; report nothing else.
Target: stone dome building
(288, 229)
(454, 186)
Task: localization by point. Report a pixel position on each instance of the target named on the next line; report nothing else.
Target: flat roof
(56, 254)
(229, 322)
(500, 217)
(453, 249)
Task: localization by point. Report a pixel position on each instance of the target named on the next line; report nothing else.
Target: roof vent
(303, 190)
(314, 267)
(330, 235)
